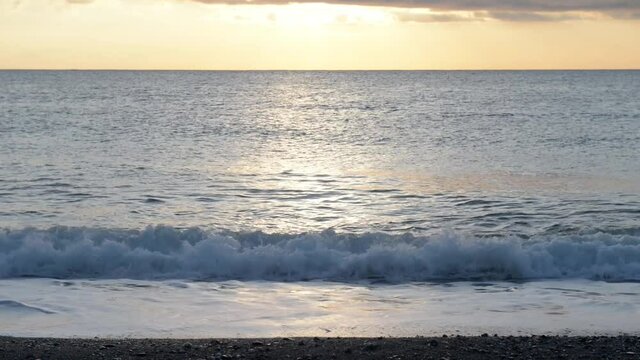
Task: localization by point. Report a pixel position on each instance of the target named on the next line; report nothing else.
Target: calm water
(489, 153)
(416, 202)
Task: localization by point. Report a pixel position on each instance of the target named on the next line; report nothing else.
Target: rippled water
(487, 153)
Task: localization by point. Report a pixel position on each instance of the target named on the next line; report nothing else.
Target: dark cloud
(631, 15)
(438, 17)
(533, 16)
(507, 10)
(472, 5)
(515, 16)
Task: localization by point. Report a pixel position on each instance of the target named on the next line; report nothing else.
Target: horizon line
(319, 70)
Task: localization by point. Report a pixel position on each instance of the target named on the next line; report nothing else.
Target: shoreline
(444, 347)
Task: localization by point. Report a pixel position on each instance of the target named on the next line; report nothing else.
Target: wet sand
(441, 348)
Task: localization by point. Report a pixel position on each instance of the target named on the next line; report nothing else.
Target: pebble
(370, 347)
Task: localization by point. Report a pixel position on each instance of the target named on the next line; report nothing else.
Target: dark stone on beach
(485, 335)
(370, 347)
(452, 347)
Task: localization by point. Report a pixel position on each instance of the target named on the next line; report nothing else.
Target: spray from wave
(162, 252)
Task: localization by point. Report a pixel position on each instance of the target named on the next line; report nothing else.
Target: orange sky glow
(270, 34)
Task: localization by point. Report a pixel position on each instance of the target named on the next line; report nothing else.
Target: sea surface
(319, 203)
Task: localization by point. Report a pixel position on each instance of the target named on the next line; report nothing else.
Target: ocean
(194, 204)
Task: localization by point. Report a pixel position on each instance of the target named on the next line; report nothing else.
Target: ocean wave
(163, 252)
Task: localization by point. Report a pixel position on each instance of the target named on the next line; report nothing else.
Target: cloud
(436, 17)
(630, 15)
(515, 16)
(535, 16)
(507, 10)
(470, 5)
(449, 10)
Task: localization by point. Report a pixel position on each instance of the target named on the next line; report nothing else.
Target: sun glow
(306, 16)
(170, 34)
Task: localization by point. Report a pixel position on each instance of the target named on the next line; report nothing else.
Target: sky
(335, 35)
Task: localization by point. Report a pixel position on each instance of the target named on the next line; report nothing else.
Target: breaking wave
(162, 252)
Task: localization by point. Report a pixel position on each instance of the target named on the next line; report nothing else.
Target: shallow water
(119, 308)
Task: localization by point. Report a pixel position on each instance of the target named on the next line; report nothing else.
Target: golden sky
(355, 34)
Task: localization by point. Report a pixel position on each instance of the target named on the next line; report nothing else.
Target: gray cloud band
(508, 10)
(470, 5)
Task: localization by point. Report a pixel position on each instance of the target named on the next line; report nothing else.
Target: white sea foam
(163, 252)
